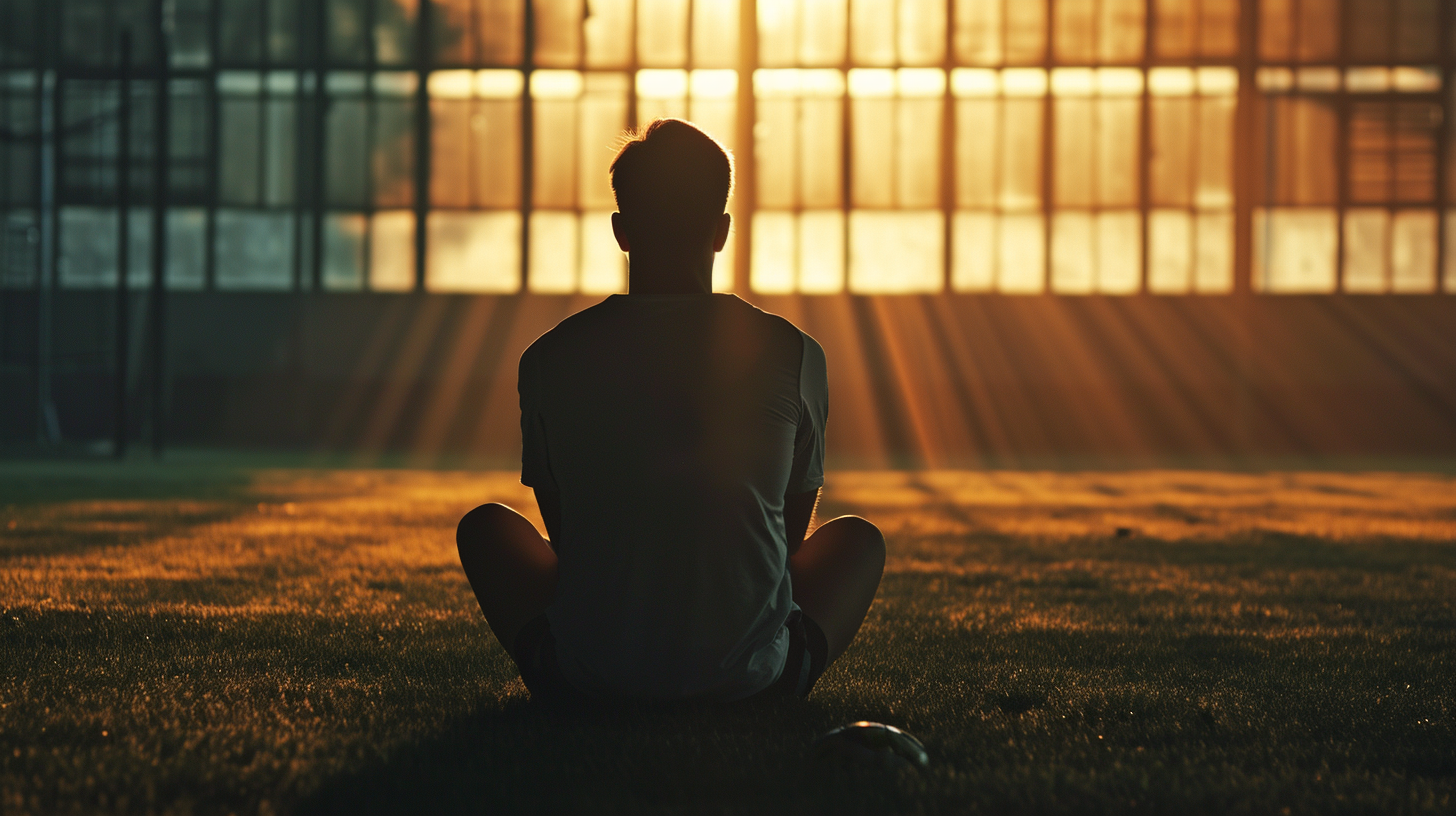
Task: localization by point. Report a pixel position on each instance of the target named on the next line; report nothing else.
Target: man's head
(672, 183)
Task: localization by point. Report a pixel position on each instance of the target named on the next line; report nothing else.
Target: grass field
(203, 638)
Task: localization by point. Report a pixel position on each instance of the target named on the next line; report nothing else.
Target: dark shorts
(535, 656)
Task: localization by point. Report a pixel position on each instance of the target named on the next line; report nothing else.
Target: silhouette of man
(675, 442)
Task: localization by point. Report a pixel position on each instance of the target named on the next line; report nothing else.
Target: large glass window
(1018, 147)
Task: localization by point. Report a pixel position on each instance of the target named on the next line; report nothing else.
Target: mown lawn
(202, 638)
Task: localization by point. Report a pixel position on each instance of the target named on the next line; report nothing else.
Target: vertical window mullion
(947, 153)
(745, 163)
(422, 137)
(1443, 135)
(1342, 154)
(1145, 151)
(1048, 132)
(528, 137)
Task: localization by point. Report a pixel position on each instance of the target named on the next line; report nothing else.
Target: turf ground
(238, 640)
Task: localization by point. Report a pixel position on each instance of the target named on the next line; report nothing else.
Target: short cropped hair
(673, 173)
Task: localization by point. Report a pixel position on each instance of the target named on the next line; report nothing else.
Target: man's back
(672, 426)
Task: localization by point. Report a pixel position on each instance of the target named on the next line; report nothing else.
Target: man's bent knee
(481, 525)
(861, 536)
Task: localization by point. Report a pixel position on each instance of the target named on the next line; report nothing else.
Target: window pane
(392, 251)
(555, 255)
(1303, 136)
(1074, 139)
(190, 42)
(608, 31)
(801, 252)
(288, 23)
(1076, 27)
(1294, 249)
(603, 265)
(1413, 251)
(253, 250)
(1417, 30)
(776, 138)
(280, 142)
(476, 158)
(820, 251)
(662, 29)
(978, 148)
(1117, 151)
(921, 30)
(917, 152)
(715, 33)
(896, 252)
(19, 249)
(1119, 252)
(1170, 166)
(186, 247)
(87, 247)
(1096, 252)
(1175, 34)
(1219, 28)
(394, 31)
(473, 252)
(1021, 254)
(239, 148)
(1367, 246)
(978, 32)
(1214, 270)
(775, 250)
(1026, 32)
(820, 148)
(240, 33)
(1276, 30)
(1121, 30)
(1367, 30)
(346, 31)
(1074, 262)
(477, 32)
(661, 93)
(873, 144)
(872, 32)
(603, 119)
(1319, 30)
(392, 159)
(19, 43)
(187, 176)
(343, 251)
(19, 159)
(973, 248)
(1170, 251)
(558, 32)
(345, 161)
(1215, 152)
(798, 138)
(714, 105)
(555, 95)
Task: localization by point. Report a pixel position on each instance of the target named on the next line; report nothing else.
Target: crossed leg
(512, 570)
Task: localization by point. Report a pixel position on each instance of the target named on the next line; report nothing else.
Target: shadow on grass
(525, 757)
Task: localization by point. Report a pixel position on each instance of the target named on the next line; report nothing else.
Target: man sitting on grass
(675, 442)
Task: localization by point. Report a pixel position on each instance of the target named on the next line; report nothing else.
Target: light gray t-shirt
(673, 426)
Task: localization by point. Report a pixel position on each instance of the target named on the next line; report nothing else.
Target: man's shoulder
(780, 325)
(573, 323)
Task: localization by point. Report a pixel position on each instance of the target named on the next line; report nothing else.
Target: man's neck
(669, 275)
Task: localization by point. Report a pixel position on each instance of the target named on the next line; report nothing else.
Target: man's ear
(619, 229)
(720, 236)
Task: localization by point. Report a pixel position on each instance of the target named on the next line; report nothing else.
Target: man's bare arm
(550, 503)
(798, 514)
